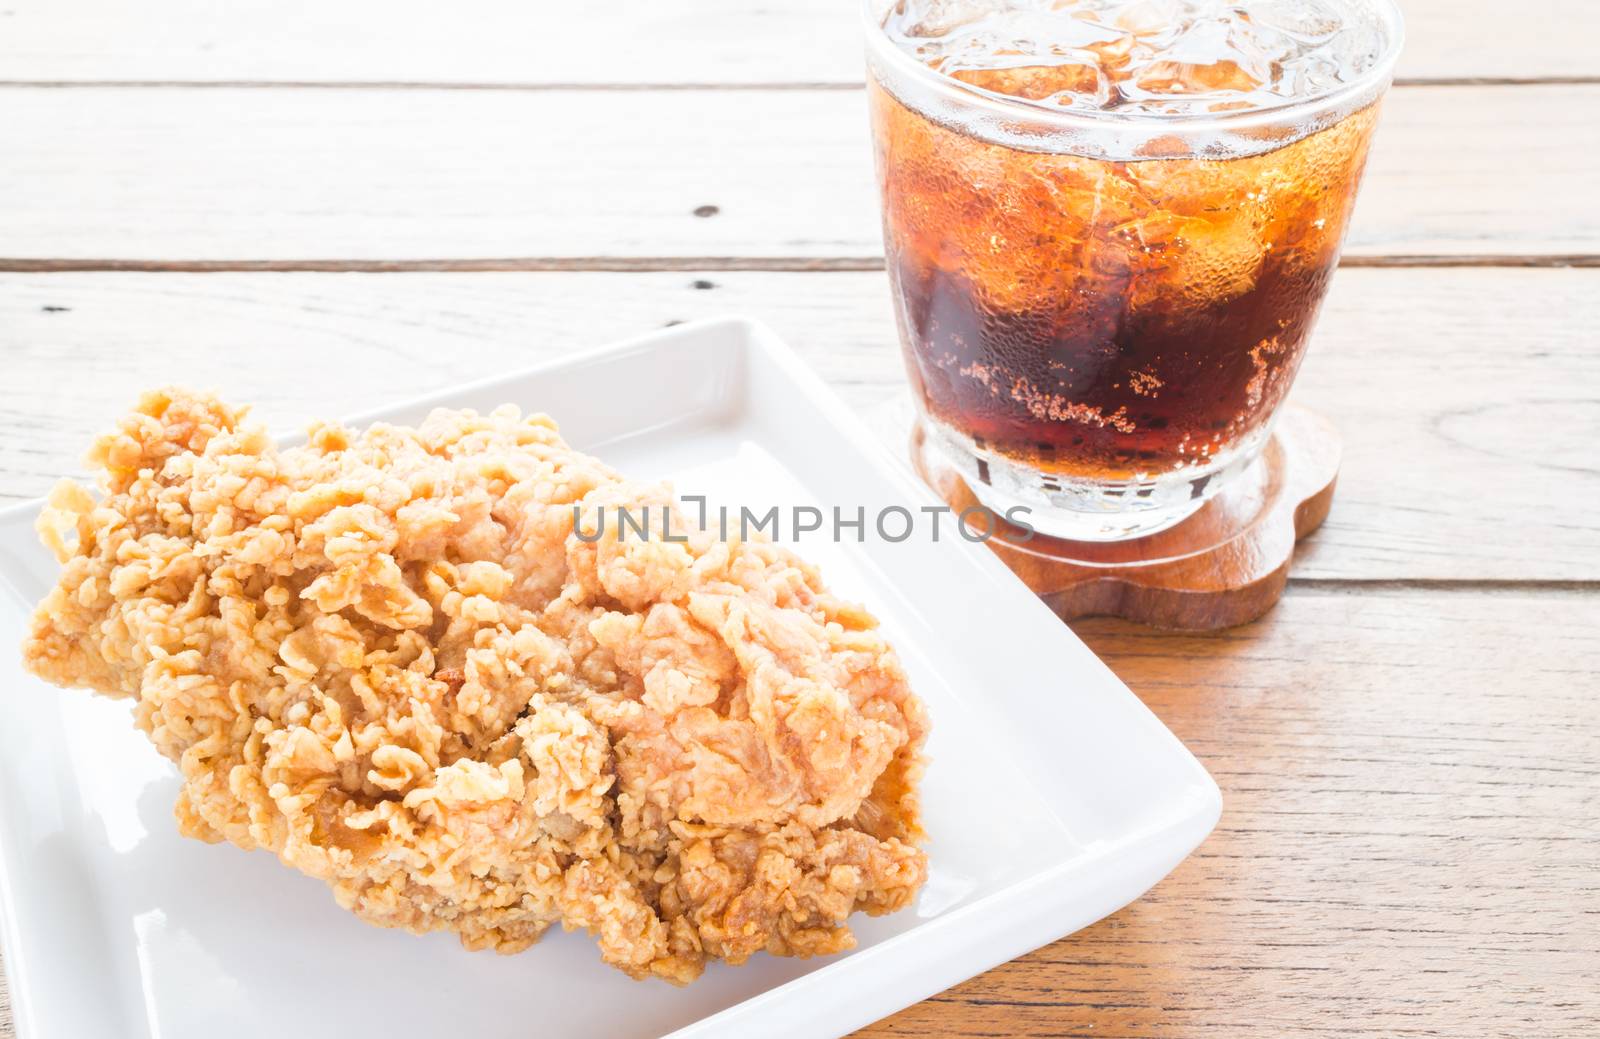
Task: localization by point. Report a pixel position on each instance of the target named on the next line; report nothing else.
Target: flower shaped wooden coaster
(1225, 565)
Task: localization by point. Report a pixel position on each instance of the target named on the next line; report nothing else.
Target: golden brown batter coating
(387, 657)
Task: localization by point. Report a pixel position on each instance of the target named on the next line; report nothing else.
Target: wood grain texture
(622, 41)
(1465, 397)
(1407, 845)
(384, 175)
(1405, 745)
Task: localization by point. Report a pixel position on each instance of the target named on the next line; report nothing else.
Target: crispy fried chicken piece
(390, 658)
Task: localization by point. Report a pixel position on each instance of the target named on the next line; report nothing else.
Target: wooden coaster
(1225, 565)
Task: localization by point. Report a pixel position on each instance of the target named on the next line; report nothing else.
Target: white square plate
(1052, 799)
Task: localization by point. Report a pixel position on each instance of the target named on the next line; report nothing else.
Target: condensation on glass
(1109, 227)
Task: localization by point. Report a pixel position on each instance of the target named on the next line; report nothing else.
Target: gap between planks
(646, 264)
(381, 84)
(1444, 584)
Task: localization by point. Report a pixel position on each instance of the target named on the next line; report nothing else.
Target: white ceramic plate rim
(898, 970)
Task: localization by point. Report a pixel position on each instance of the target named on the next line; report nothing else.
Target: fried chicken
(391, 658)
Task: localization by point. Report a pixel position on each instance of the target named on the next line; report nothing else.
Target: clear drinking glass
(1101, 309)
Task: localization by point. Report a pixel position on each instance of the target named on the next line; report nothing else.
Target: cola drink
(1109, 227)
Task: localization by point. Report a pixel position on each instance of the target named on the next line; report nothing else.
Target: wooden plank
(1465, 395)
(1407, 844)
(623, 41)
(383, 175)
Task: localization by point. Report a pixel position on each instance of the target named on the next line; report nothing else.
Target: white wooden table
(323, 208)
